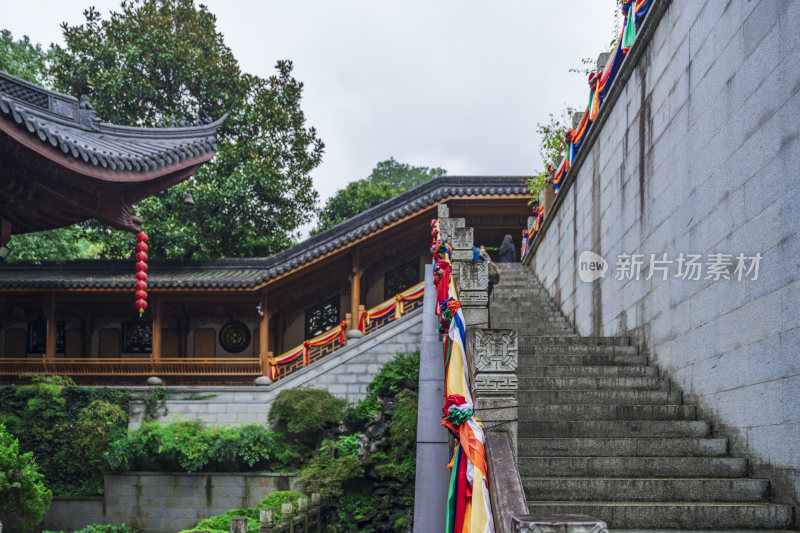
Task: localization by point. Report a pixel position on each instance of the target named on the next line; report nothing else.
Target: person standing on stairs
(508, 252)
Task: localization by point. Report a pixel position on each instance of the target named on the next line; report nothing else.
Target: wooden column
(157, 320)
(52, 330)
(263, 334)
(355, 289)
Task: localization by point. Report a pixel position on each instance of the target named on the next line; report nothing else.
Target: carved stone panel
(486, 383)
(442, 211)
(462, 255)
(473, 298)
(496, 350)
(473, 276)
(462, 239)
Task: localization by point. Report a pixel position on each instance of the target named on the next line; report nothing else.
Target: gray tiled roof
(245, 273)
(72, 126)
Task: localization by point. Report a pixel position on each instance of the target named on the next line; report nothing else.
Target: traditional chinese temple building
(232, 320)
(60, 165)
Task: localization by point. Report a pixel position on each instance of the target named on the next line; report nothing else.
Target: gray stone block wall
(155, 502)
(705, 137)
(344, 373)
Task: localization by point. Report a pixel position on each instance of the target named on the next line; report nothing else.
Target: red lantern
(141, 268)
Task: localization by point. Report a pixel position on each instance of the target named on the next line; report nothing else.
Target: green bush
(191, 446)
(305, 413)
(397, 374)
(274, 500)
(66, 427)
(222, 523)
(24, 498)
(400, 373)
(329, 471)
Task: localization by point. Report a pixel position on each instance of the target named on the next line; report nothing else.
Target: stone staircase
(601, 433)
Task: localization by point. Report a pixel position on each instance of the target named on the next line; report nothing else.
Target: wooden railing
(238, 370)
(132, 367)
(388, 311)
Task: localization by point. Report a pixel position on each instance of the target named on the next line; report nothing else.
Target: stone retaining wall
(154, 502)
(699, 154)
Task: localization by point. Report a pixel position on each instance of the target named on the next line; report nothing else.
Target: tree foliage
(23, 495)
(23, 59)
(388, 179)
(164, 62)
(66, 427)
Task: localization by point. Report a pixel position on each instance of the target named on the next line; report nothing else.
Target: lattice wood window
(400, 278)
(322, 317)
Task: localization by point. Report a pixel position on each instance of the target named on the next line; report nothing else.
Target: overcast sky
(455, 84)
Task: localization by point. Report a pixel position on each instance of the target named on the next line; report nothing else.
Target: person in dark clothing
(508, 252)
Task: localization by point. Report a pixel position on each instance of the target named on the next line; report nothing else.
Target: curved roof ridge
(263, 269)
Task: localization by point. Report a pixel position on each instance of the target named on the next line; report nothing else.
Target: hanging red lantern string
(141, 272)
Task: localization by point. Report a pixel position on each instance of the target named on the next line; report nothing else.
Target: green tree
(388, 179)
(163, 61)
(23, 59)
(23, 495)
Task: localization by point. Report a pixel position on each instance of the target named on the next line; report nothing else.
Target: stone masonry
(344, 373)
(700, 155)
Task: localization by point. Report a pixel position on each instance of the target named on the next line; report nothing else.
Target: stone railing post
(316, 512)
(301, 521)
(239, 525)
(287, 511)
(495, 354)
(266, 520)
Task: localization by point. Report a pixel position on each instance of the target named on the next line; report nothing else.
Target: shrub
(48, 414)
(222, 523)
(330, 471)
(191, 446)
(23, 495)
(274, 500)
(305, 412)
(401, 372)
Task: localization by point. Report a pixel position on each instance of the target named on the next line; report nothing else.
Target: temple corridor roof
(251, 272)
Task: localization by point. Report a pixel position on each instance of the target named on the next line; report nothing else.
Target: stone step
(681, 516)
(607, 412)
(528, 360)
(611, 428)
(610, 467)
(576, 349)
(627, 397)
(569, 489)
(573, 341)
(593, 383)
(632, 447)
(527, 367)
(703, 531)
(528, 318)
